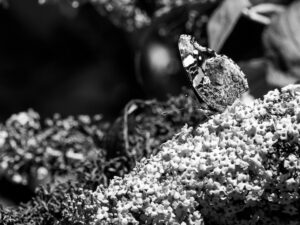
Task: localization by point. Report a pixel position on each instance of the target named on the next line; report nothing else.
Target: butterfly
(216, 80)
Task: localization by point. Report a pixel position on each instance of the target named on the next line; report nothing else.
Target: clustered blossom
(66, 203)
(144, 125)
(35, 151)
(32, 152)
(240, 167)
(62, 203)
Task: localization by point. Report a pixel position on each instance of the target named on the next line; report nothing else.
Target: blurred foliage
(282, 46)
(133, 14)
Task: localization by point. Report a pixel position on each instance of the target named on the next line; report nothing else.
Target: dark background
(55, 59)
(72, 62)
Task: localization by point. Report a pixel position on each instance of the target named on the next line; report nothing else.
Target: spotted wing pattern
(216, 79)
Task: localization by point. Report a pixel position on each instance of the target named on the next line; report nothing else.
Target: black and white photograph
(150, 112)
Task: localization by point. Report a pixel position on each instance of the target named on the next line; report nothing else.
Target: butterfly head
(193, 53)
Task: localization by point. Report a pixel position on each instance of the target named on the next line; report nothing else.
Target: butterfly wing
(216, 79)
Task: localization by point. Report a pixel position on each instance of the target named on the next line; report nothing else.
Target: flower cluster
(145, 125)
(67, 203)
(161, 120)
(240, 167)
(33, 152)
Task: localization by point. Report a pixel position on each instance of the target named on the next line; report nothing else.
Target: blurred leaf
(281, 41)
(263, 13)
(223, 21)
(4, 3)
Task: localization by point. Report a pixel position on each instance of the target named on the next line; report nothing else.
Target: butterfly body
(216, 80)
